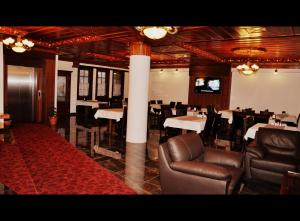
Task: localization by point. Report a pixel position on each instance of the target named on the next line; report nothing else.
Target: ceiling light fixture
(156, 32)
(248, 69)
(18, 45)
(244, 51)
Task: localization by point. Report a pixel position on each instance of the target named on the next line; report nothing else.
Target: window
(85, 83)
(102, 84)
(118, 84)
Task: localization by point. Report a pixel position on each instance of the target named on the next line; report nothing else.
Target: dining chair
(172, 104)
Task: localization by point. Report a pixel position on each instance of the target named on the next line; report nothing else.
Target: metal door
(20, 91)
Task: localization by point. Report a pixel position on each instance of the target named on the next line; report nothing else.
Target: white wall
(67, 66)
(264, 90)
(170, 85)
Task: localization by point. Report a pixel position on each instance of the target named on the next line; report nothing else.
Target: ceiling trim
(103, 56)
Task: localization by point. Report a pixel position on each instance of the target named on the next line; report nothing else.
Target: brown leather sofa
(187, 167)
(276, 152)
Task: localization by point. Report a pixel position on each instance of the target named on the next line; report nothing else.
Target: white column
(55, 80)
(139, 70)
(1, 84)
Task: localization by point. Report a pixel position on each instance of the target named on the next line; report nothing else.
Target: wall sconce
(161, 71)
(275, 72)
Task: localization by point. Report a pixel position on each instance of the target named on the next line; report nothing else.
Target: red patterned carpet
(43, 162)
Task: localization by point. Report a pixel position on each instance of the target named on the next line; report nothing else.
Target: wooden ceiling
(192, 45)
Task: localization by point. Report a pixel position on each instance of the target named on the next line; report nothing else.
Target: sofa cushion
(277, 141)
(209, 170)
(223, 157)
(275, 162)
(185, 147)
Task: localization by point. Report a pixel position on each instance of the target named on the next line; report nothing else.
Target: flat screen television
(208, 85)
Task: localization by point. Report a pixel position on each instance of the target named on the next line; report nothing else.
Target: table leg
(92, 143)
(109, 131)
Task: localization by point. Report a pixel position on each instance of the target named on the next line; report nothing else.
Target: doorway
(21, 83)
(63, 93)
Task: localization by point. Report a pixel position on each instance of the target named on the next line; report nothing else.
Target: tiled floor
(141, 171)
(137, 166)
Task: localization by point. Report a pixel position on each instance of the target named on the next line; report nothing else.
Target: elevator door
(20, 91)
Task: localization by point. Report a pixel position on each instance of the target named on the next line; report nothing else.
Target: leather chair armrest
(223, 157)
(202, 169)
(259, 152)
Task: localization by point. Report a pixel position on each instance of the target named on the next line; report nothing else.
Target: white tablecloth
(287, 118)
(192, 113)
(252, 130)
(156, 106)
(186, 122)
(113, 113)
(93, 104)
(226, 114)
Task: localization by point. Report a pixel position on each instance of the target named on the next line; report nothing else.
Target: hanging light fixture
(156, 32)
(18, 45)
(248, 68)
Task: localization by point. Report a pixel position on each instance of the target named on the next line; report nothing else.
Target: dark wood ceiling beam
(12, 31)
(198, 51)
(103, 56)
(179, 61)
(263, 60)
(50, 51)
(77, 40)
(245, 38)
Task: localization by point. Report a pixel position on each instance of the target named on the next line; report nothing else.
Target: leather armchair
(187, 167)
(276, 152)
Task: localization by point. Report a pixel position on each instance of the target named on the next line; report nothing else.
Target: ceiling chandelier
(249, 51)
(18, 45)
(156, 32)
(248, 69)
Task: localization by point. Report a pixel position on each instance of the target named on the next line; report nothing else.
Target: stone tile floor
(140, 172)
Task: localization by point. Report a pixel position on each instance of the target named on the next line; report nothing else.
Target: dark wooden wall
(221, 100)
(48, 86)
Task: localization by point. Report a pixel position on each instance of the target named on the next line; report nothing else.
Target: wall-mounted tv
(207, 85)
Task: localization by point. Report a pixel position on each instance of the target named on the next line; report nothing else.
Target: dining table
(194, 123)
(110, 114)
(228, 114)
(286, 118)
